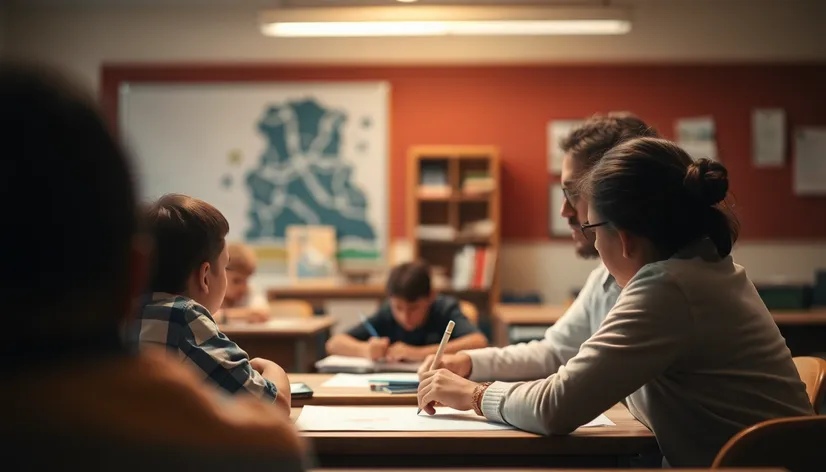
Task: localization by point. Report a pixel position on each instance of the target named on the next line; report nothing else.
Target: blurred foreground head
(69, 218)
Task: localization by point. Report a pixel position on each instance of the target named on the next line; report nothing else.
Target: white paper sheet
(810, 161)
(360, 364)
(557, 131)
(363, 380)
(400, 418)
(768, 137)
(697, 137)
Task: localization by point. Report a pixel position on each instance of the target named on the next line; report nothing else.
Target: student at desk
(411, 325)
(689, 345)
(188, 285)
(242, 302)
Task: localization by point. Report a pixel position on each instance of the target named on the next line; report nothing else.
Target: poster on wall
(557, 131)
(810, 161)
(311, 253)
(698, 137)
(768, 137)
(270, 156)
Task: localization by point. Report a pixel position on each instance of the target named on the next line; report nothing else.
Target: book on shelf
(433, 174)
(478, 182)
(434, 191)
(435, 232)
(474, 267)
(477, 229)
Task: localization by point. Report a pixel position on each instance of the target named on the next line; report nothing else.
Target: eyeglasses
(587, 228)
(570, 196)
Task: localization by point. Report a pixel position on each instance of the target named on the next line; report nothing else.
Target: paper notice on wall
(768, 137)
(697, 136)
(810, 161)
(557, 131)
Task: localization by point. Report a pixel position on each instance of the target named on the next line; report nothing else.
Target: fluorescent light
(436, 21)
(443, 28)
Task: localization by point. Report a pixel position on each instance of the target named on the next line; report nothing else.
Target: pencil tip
(419, 411)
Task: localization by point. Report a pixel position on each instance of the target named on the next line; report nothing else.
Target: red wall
(510, 106)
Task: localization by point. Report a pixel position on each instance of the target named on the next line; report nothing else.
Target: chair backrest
(291, 308)
(470, 311)
(812, 372)
(796, 444)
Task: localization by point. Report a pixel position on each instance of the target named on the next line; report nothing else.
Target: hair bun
(706, 181)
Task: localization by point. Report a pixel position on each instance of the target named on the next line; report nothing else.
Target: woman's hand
(446, 388)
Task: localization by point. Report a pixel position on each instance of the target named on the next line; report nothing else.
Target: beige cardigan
(689, 345)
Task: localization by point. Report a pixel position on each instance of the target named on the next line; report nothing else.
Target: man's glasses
(570, 196)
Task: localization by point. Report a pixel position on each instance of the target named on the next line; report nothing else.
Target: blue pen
(370, 328)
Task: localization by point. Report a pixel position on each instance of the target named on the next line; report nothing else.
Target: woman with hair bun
(689, 346)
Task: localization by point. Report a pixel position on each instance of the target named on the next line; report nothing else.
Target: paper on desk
(391, 418)
(401, 418)
(363, 380)
(362, 365)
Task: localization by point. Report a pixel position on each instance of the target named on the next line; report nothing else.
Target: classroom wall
(664, 31)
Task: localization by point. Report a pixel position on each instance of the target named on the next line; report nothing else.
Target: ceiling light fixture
(443, 21)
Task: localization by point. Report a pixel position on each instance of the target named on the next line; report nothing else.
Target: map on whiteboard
(270, 156)
(302, 179)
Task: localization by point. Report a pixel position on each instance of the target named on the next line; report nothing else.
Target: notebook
(359, 365)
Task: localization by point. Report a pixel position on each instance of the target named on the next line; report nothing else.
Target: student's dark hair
(409, 281)
(69, 211)
(187, 233)
(652, 188)
(591, 140)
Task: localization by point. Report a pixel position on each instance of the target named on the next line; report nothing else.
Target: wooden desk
(507, 315)
(289, 342)
(594, 447)
(394, 469)
(347, 396)
(804, 331)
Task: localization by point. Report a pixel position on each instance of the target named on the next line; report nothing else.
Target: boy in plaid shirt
(189, 284)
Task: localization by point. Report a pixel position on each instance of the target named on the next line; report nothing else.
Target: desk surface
(352, 396)
(549, 314)
(281, 327)
(476, 469)
(629, 436)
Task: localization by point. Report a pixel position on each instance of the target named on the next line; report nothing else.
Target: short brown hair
(410, 281)
(591, 140)
(187, 232)
(242, 258)
(652, 188)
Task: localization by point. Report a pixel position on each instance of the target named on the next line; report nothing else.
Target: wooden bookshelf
(448, 204)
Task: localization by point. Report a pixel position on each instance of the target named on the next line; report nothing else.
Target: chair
(812, 372)
(291, 308)
(470, 311)
(792, 443)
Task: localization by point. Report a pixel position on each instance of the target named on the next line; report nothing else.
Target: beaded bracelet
(478, 395)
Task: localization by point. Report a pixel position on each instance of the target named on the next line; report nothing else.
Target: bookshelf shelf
(454, 218)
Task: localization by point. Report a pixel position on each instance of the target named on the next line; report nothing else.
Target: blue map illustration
(303, 179)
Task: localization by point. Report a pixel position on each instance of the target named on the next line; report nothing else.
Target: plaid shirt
(186, 327)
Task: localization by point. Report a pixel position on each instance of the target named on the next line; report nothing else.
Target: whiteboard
(269, 155)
